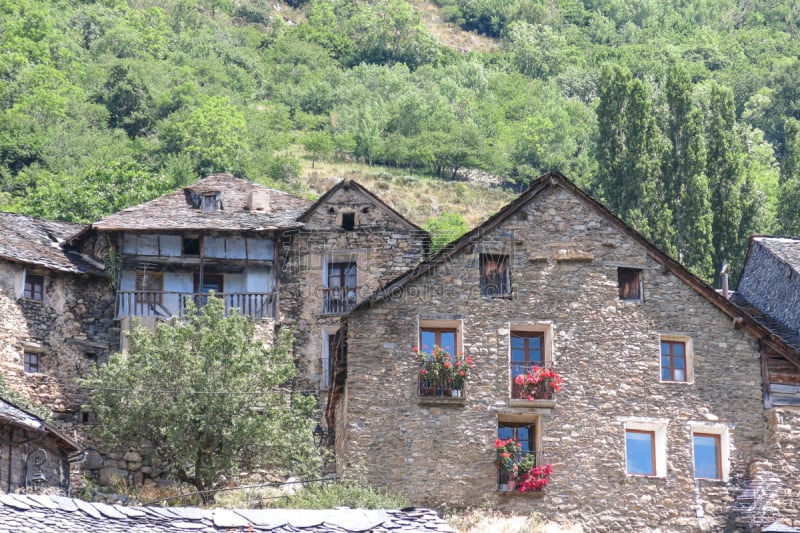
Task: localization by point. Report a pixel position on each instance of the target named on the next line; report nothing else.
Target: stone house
(36, 456)
(769, 290)
(660, 415)
(68, 291)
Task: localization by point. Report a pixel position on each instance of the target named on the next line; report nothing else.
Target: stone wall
(18, 446)
(564, 257)
(71, 330)
(381, 243)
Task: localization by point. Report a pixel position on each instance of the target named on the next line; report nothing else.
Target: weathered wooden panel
(260, 249)
(171, 245)
(235, 248)
(215, 247)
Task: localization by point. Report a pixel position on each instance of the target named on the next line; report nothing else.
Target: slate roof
(37, 242)
(787, 249)
(55, 514)
(11, 414)
(174, 211)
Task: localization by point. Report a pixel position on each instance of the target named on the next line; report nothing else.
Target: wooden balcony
(166, 304)
(338, 300)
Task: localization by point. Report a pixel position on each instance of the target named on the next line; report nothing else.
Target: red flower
(416, 349)
(448, 364)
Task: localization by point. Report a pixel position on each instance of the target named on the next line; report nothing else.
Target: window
(524, 433)
(348, 221)
(149, 287)
(495, 276)
(640, 452)
(31, 362)
(646, 447)
(676, 358)
(191, 246)
(34, 287)
(630, 283)
(529, 345)
(710, 450)
(341, 292)
(707, 458)
(527, 350)
(211, 282)
(446, 335)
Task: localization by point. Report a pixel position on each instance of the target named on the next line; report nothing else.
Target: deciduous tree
(208, 396)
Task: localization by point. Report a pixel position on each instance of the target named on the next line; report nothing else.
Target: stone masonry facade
(564, 258)
(380, 246)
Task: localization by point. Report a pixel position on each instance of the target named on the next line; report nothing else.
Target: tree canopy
(698, 93)
(208, 396)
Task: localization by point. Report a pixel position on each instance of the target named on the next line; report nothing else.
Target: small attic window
(348, 221)
(212, 202)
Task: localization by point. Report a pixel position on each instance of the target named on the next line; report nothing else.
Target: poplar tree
(725, 170)
(630, 148)
(789, 204)
(685, 181)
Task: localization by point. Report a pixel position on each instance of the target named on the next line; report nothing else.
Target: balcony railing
(338, 300)
(430, 386)
(542, 390)
(166, 304)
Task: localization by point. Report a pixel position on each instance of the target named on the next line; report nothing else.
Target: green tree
(630, 148)
(208, 396)
(445, 228)
(213, 134)
(789, 206)
(725, 171)
(685, 181)
(319, 143)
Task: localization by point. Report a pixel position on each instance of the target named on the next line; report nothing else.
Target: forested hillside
(681, 116)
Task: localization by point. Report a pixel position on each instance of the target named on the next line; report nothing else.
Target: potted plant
(506, 459)
(441, 374)
(539, 383)
(533, 478)
(461, 369)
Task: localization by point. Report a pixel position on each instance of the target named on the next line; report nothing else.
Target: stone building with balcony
(68, 292)
(633, 387)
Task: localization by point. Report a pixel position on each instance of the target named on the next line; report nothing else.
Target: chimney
(258, 200)
(723, 279)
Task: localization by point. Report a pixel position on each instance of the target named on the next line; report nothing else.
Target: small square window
(630, 283)
(673, 361)
(640, 452)
(348, 221)
(707, 456)
(32, 362)
(34, 287)
(191, 246)
(495, 276)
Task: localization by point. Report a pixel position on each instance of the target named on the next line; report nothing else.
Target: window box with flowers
(537, 387)
(441, 374)
(517, 470)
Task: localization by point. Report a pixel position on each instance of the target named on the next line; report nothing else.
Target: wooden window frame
(342, 276)
(497, 282)
(437, 335)
(33, 287)
(718, 449)
(218, 278)
(629, 282)
(672, 357)
(654, 464)
(32, 362)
